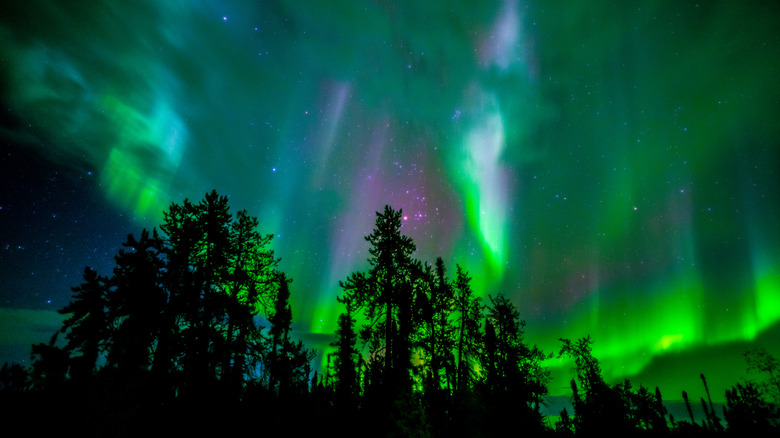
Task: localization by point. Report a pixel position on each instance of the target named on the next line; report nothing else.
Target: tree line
(193, 332)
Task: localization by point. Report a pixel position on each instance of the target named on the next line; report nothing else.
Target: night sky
(612, 166)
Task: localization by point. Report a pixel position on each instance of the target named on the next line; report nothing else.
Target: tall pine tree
(289, 361)
(386, 296)
(86, 327)
(346, 388)
(467, 325)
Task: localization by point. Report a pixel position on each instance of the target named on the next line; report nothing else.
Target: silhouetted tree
(199, 247)
(600, 408)
(176, 324)
(13, 378)
(345, 361)
(219, 275)
(587, 366)
(435, 342)
(621, 404)
(467, 326)
(489, 360)
(211, 264)
(49, 366)
(748, 413)
(564, 426)
(518, 365)
(435, 338)
(656, 412)
(385, 295)
(765, 365)
(87, 325)
(174, 359)
(251, 280)
(289, 362)
(516, 380)
(281, 320)
(185, 317)
(136, 305)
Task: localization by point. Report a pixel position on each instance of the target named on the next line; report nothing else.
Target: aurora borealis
(613, 167)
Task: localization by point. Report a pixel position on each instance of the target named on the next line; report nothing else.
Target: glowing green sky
(612, 166)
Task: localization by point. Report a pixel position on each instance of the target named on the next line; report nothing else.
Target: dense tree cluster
(178, 321)
(176, 338)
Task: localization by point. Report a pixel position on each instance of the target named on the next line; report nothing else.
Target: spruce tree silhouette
(135, 306)
(658, 416)
(253, 271)
(186, 317)
(289, 361)
(211, 271)
(436, 339)
(219, 275)
(600, 408)
(280, 376)
(435, 342)
(469, 314)
(87, 325)
(346, 389)
(515, 381)
(468, 408)
(389, 296)
(385, 297)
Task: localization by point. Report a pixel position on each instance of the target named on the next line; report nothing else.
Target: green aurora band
(611, 166)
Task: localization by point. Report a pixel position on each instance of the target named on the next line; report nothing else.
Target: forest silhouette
(192, 334)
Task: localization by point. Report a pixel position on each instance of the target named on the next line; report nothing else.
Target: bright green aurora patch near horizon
(611, 166)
